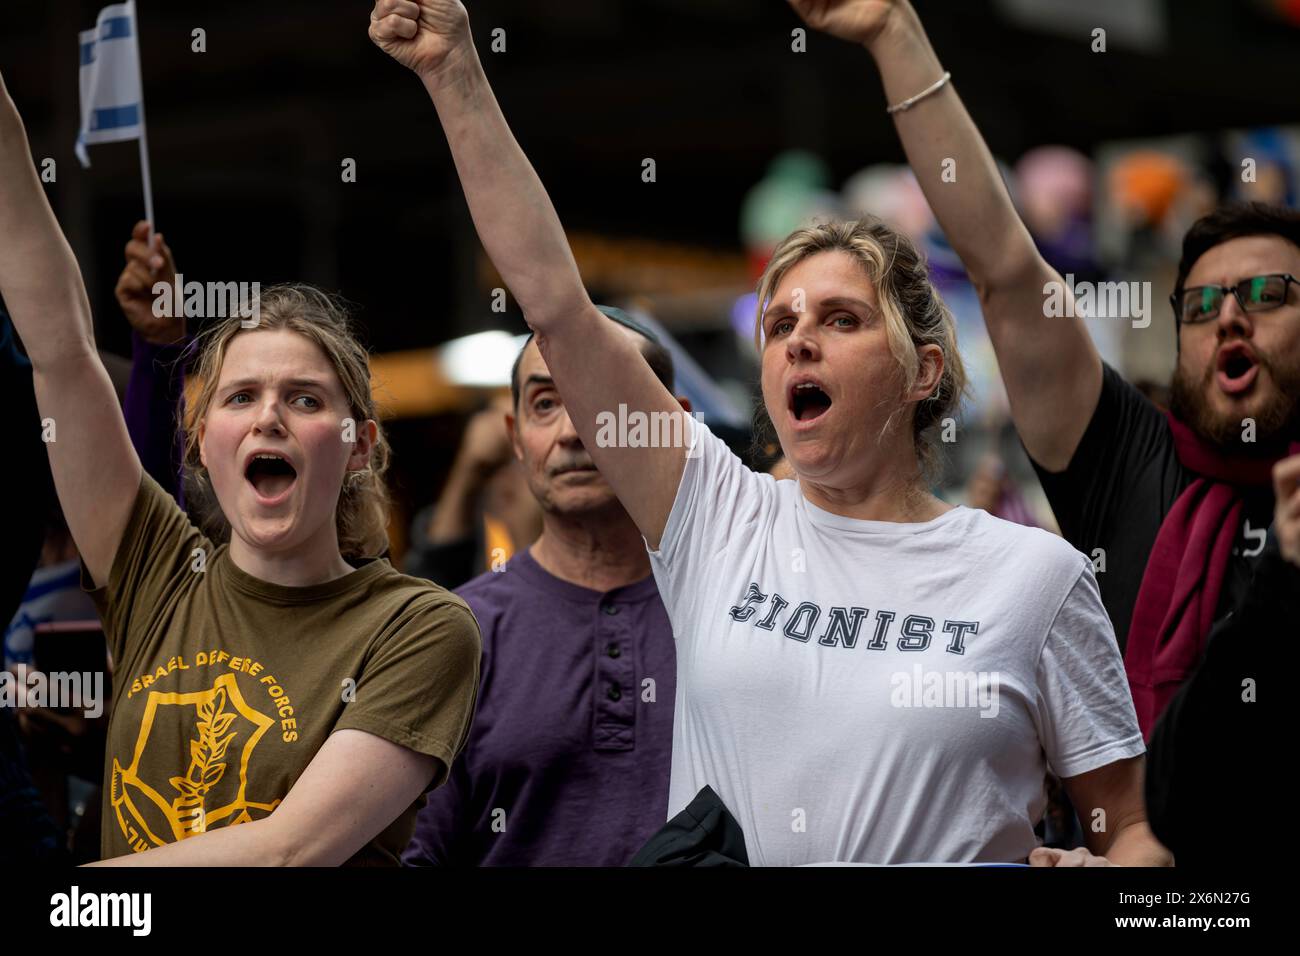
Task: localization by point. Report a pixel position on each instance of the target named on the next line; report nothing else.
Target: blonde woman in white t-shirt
(812, 617)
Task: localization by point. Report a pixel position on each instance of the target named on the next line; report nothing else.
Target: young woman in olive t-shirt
(372, 674)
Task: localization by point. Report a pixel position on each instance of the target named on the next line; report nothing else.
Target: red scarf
(1185, 573)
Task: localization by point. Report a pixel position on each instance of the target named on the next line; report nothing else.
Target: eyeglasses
(1258, 294)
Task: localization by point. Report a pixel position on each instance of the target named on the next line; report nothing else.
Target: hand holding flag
(148, 261)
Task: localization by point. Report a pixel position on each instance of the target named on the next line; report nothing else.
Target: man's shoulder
(1126, 415)
(1123, 475)
(1124, 418)
(496, 590)
(498, 583)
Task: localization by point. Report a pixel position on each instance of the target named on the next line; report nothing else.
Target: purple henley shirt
(568, 757)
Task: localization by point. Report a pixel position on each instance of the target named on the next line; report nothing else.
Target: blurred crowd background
(1109, 155)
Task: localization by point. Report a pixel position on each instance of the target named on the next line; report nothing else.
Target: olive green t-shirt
(226, 686)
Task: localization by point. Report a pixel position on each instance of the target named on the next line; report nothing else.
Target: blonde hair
(361, 517)
(914, 314)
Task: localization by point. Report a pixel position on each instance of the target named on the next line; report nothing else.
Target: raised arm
(596, 366)
(96, 471)
(1050, 367)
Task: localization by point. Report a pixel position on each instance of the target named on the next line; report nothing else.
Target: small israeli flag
(112, 101)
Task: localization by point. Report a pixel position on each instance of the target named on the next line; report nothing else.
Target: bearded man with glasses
(1180, 503)
(1176, 510)
(1173, 508)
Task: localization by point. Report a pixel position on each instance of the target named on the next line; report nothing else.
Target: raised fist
(859, 21)
(428, 36)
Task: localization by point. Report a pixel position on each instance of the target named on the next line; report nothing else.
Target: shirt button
(610, 609)
(613, 650)
(614, 693)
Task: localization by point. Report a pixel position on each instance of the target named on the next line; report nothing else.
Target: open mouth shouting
(272, 476)
(1236, 368)
(807, 400)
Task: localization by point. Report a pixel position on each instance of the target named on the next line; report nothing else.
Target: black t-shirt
(1207, 776)
(1122, 481)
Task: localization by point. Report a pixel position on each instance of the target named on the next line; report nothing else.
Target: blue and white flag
(112, 99)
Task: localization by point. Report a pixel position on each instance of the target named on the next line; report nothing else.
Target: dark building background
(246, 140)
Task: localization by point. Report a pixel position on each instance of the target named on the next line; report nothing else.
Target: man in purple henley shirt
(568, 757)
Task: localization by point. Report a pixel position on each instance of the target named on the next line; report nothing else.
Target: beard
(1276, 422)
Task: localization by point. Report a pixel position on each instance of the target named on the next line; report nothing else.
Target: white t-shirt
(879, 692)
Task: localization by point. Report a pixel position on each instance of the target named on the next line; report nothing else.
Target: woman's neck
(312, 562)
(899, 498)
